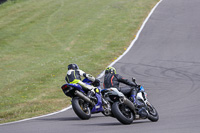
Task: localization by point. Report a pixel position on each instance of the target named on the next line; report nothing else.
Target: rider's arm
(82, 73)
(90, 77)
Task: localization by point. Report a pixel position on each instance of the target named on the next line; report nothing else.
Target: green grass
(39, 38)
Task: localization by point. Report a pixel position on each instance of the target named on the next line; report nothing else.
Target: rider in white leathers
(74, 77)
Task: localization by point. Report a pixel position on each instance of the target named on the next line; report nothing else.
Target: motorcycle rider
(74, 77)
(111, 79)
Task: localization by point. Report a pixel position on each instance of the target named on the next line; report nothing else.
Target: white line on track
(130, 46)
(133, 42)
(38, 116)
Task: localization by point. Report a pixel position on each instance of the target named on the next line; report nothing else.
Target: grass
(39, 38)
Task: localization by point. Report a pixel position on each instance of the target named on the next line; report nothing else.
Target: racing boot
(136, 102)
(133, 99)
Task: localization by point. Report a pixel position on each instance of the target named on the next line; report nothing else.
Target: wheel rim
(151, 110)
(84, 106)
(125, 111)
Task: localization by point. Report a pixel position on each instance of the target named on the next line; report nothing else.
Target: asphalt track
(166, 61)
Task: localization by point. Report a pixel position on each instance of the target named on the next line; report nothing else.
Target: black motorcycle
(123, 108)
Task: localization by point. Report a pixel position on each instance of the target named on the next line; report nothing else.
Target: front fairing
(98, 106)
(141, 88)
(87, 81)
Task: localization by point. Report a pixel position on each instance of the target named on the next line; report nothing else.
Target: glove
(138, 86)
(96, 82)
(90, 77)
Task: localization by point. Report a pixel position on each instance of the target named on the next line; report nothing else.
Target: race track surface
(166, 61)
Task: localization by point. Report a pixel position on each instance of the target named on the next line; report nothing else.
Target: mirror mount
(133, 79)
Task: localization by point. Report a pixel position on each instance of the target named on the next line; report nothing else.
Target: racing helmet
(73, 66)
(110, 70)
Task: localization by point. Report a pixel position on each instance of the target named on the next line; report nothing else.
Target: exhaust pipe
(128, 103)
(84, 97)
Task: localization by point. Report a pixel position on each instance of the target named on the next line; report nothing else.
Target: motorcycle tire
(152, 113)
(122, 113)
(80, 108)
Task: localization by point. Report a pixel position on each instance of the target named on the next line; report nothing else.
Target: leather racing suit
(74, 77)
(113, 80)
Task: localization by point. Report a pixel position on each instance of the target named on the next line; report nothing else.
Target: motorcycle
(83, 104)
(123, 108)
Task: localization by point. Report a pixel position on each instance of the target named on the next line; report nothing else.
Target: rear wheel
(122, 113)
(152, 113)
(81, 108)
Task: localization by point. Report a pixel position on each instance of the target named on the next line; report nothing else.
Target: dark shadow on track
(61, 119)
(114, 123)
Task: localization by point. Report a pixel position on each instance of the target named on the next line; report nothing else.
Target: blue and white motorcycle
(123, 108)
(84, 105)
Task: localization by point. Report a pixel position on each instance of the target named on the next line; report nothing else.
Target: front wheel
(152, 113)
(122, 113)
(81, 108)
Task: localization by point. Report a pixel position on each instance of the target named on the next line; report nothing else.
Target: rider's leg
(89, 88)
(125, 90)
(134, 94)
(135, 101)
